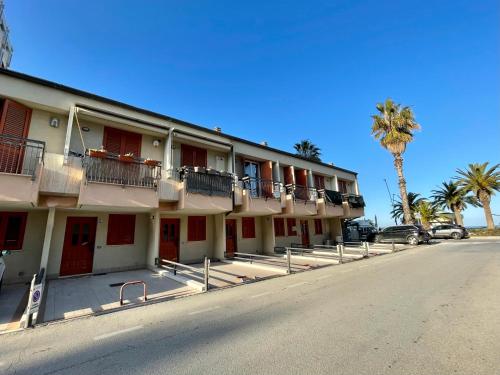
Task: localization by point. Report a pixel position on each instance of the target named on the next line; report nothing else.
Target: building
(6, 49)
(90, 185)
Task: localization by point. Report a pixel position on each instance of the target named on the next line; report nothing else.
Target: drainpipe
(167, 156)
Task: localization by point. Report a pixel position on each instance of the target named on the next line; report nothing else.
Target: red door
(230, 237)
(78, 249)
(169, 239)
(304, 226)
(14, 125)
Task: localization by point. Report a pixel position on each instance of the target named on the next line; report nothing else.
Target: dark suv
(410, 234)
(456, 232)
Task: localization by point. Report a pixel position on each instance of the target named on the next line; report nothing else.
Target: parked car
(456, 232)
(410, 234)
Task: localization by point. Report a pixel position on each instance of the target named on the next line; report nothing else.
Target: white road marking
(297, 284)
(204, 310)
(260, 295)
(111, 334)
(324, 277)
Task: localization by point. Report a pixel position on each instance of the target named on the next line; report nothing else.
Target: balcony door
(251, 169)
(231, 237)
(14, 125)
(78, 249)
(169, 239)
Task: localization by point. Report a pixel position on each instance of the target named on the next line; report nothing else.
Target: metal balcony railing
(354, 201)
(207, 181)
(300, 192)
(259, 188)
(20, 155)
(331, 196)
(111, 170)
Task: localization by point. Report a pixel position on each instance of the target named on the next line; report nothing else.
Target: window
(197, 228)
(193, 156)
(121, 229)
(343, 186)
(248, 227)
(290, 227)
(122, 142)
(279, 227)
(12, 226)
(318, 226)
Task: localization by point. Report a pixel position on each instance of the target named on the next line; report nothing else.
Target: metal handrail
(20, 155)
(113, 169)
(205, 273)
(207, 181)
(128, 283)
(261, 188)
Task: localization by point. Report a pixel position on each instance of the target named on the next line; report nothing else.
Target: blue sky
(283, 71)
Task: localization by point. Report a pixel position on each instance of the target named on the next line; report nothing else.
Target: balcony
(119, 181)
(330, 203)
(300, 200)
(354, 205)
(257, 197)
(21, 162)
(205, 191)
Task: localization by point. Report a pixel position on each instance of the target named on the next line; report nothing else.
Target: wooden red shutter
(319, 182)
(122, 142)
(318, 226)
(15, 119)
(266, 173)
(193, 156)
(301, 177)
(288, 175)
(248, 227)
(121, 229)
(290, 224)
(12, 228)
(279, 226)
(187, 156)
(197, 228)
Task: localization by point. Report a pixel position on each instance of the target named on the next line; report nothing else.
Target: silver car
(449, 231)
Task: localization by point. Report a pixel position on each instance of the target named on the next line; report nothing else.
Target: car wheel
(412, 240)
(456, 236)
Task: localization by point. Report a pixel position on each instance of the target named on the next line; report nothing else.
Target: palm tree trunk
(458, 216)
(485, 201)
(398, 164)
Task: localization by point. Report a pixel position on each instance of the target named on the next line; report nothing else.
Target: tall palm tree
(427, 213)
(483, 182)
(414, 200)
(308, 150)
(394, 126)
(450, 195)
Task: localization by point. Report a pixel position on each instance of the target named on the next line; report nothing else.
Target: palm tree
(483, 183)
(414, 200)
(427, 213)
(450, 195)
(394, 126)
(308, 150)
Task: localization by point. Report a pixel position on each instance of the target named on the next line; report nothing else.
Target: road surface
(428, 310)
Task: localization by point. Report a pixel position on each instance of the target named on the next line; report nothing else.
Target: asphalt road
(429, 310)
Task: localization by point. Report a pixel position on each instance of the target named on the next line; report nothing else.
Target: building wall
(106, 257)
(21, 265)
(41, 131)
(249, 245)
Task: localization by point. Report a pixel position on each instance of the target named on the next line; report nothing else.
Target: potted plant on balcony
(151, 162)
(127, 158)
(98, 153)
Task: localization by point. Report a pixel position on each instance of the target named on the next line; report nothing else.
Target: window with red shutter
(197, 228)
(12, 227)
(343, 186)
(193, 156)
(248, 227)
(122, 142)
(318, 226)
(121, 229)
(290, 226)
(15, 119)
(279, 227)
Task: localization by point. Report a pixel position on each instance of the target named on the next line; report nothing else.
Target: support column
(219, 242)
(230, 161)
(268, 240)
(153, 239)
(356, 187)
(68, 134)
(310, 179)
(48, 238)
(167, 154)
(335, 183)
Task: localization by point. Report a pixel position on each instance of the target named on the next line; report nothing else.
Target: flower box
(101, 154)
(151, 163)
(126, 158)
